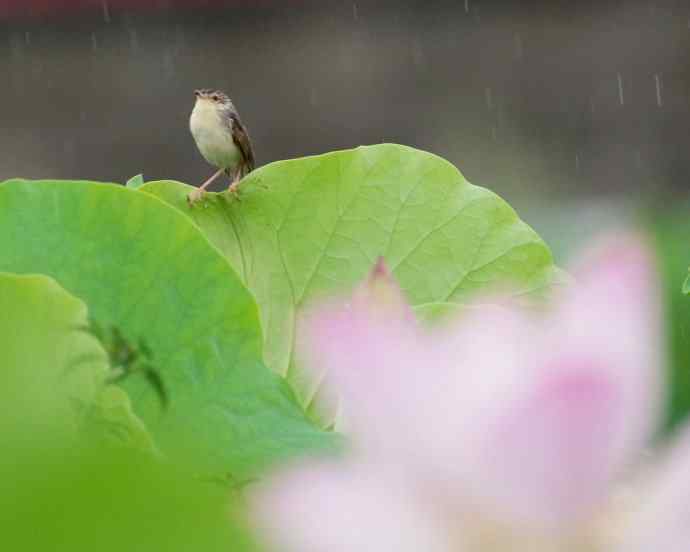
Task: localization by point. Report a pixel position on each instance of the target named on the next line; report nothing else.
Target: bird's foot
(195, 196)
(233, 188)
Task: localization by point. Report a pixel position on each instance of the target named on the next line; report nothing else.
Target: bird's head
(211, 97)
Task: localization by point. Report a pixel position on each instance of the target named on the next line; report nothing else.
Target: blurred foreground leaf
(73, 491)
(95, 499)
(671, 231)
(314, 226)
(144, 268)
(50, 371)
(110, 420)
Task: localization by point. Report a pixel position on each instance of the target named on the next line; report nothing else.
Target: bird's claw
(195, 196)
(233, 189)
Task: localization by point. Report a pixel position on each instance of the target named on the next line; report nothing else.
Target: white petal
(339, 508)
(660, 512)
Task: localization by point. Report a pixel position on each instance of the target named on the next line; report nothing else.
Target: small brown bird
(221, 138)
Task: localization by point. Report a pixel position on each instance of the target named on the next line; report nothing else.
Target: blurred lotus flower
(506, 429)
(339, 508)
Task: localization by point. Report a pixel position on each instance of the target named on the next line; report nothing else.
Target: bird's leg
(195, 195)
(235, 181)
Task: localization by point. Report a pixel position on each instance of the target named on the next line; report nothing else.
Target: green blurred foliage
(106, 499)
(51, 370)
(672, 231)
(71, 479)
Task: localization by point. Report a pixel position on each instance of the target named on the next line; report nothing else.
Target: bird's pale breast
(213, 136)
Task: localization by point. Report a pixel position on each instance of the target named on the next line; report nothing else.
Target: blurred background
(578, 113)
(538, 100)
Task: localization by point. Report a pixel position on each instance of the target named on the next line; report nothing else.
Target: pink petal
(339, 508)
(614, 311)
(369, 351)
(539, 415)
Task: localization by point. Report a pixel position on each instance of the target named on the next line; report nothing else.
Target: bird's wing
(242, 141)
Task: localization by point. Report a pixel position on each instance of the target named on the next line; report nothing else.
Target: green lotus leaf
(145, 269)
(308, 227)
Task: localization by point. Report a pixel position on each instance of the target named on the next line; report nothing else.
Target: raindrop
(489, 99)
(355, 13)
(106, 11)
(659, 87)
(577, 163)
(94, 42)
(27, 38)
(313, 98)
(467, 6)
(518, 46)
(493, 134)
(621, 98)
(82, 115)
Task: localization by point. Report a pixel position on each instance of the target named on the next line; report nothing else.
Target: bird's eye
(215, 97)
(196, 93)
